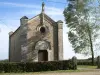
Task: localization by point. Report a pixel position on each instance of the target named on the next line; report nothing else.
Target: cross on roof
(43, 5)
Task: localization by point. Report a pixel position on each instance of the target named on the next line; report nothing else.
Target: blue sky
(11, 12)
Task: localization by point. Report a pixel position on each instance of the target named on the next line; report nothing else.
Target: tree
(81, 19)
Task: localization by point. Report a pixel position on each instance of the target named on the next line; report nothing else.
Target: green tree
(81, 19)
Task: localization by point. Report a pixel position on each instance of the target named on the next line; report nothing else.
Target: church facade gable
(39, 33)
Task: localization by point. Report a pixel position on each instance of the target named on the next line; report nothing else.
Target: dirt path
(72, 73)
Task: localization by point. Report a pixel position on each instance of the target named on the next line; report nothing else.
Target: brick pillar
(60, 40)
(10, 33)
(23, 20)
(74, 62)
(98, 62)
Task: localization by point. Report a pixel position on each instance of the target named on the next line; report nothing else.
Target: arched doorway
(42, 47)
(42, 55)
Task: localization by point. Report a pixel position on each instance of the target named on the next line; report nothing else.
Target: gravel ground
(73, 73)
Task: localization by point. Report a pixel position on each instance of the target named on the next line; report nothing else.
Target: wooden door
(42, 55)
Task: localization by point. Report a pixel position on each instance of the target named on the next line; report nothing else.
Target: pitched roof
(46, 16)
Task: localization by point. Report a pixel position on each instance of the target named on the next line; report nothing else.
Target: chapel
(37, 39)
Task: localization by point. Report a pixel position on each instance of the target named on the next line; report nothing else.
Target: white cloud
(5, 28)
(58, 1)
(50, 12)
(4, 40)
(28, 6)
(68, 53)
(33, 10)
(19, 5)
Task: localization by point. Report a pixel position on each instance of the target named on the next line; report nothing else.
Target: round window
(42, 30)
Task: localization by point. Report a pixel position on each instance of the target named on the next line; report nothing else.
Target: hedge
(37, 66)
(85, 62)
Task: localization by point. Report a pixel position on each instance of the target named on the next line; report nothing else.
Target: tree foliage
(83, 23)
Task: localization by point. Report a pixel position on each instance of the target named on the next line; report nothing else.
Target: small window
(42, 30)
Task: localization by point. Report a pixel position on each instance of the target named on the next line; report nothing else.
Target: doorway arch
(43, 48)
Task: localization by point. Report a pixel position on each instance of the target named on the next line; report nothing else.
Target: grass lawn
(87, 66)
(42, 73)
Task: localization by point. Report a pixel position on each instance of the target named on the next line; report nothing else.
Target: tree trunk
(91, 45)
(92, 52)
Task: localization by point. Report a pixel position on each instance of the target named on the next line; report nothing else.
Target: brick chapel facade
(37, 39)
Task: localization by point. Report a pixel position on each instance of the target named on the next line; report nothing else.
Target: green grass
(87, 66)
(43, 72)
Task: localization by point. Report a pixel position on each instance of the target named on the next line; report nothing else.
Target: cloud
(19, 5)
(49, 11)
(68, 53)
(31, 11)
(58, 1)
(27, 5)
(4, 39)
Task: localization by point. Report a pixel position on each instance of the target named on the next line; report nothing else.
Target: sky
(11, 12)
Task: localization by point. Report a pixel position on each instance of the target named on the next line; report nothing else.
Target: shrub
(36, 66)
(85, 62)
